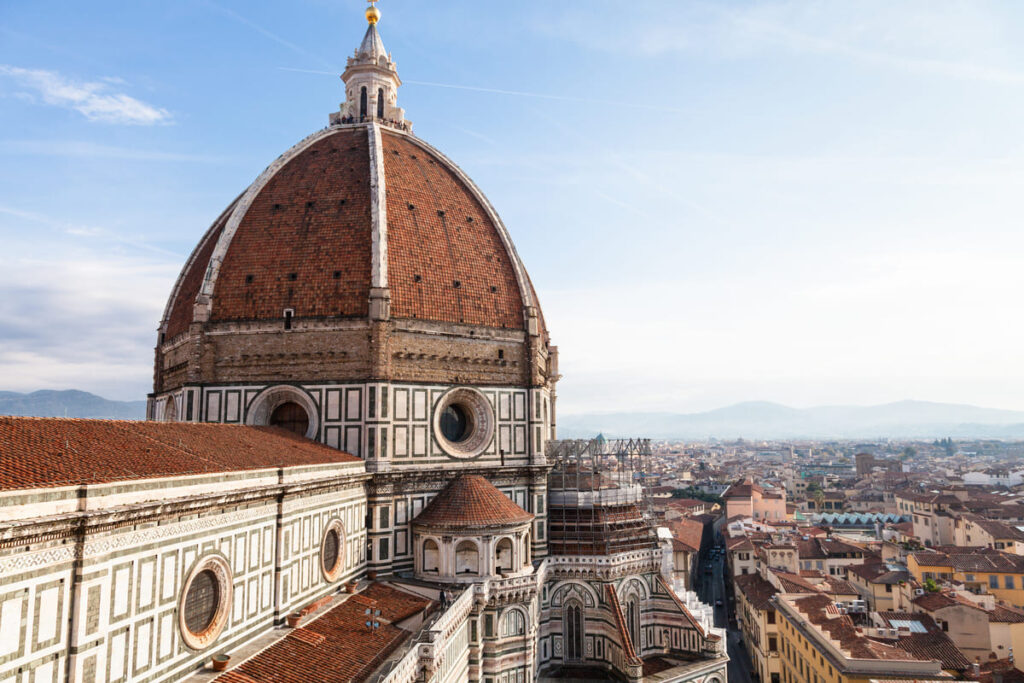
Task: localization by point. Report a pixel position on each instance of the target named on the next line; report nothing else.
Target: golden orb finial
(372, 13)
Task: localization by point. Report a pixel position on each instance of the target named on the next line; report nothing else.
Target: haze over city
(803, 202)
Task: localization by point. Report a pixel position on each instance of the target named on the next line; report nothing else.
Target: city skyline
(788, 202)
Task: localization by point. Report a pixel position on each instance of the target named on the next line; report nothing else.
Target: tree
(931, 586)
(908, 453)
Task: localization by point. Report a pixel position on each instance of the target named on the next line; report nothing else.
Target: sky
(809, 202)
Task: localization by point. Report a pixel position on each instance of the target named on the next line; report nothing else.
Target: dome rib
(468, 502)
(415, 228)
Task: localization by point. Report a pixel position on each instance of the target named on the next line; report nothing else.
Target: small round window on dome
(455, 423)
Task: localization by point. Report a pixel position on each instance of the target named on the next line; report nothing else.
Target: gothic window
(514, 625)
(380, 103)
(362, 103)
(573, 622)
(467, 558)
(503, 555)
(633, 622)
(430, 556)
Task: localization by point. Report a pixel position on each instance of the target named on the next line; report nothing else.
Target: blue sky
(807, 202)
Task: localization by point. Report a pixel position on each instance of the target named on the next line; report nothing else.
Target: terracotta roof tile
(437, 230)
(689, 532)
(756, 590)
(470, 501)
(311, 220)
(933, 644)
(335, 647)
(44, 452)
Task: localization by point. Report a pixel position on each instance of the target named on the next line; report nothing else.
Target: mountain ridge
(769, 420)
(69, 403)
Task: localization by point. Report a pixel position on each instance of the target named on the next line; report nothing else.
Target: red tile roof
(756, 590)
(689, 532)
(933, 644)
(44, 452)
(311, 219)
(820, 611)
(305, 243)
(445, 237)
(335, 647)
(470, 501)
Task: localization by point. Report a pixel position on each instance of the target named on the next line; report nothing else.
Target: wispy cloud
(953, 40)
(266, 33)
(96, 100)
(92, 150)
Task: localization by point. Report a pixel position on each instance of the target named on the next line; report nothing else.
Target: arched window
(573, 633)
(431, 556)
(170, 410)
(514, 624)
(467, 558)
(633, 622)
(503, 555)
(380, 103)
(362, 103)
(292, 417)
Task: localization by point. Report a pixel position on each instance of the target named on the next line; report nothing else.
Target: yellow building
(759, 623)
(981, 570)
(819, 643)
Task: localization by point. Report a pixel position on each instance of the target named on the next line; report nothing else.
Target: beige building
(747, 499)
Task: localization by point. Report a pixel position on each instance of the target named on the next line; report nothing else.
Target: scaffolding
(598, 497)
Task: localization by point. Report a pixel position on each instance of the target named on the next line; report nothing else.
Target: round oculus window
(332, 549)
(201, 602)
(205, 602)
(464, 422)
(455, 424)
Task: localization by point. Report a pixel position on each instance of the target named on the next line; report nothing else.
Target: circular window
(464, 422)
(205, 602)
(290, 416)
(332, 551)
(455, 423)
(201, 602)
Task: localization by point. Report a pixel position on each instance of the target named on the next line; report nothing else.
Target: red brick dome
(351, 211)
(470, 502)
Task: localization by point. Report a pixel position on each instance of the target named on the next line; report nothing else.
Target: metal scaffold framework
(596, 494)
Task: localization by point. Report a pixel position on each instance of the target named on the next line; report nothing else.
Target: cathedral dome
(361, 279)
(349, 212)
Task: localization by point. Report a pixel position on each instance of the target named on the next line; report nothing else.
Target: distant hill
(69, 403)
(764, 420)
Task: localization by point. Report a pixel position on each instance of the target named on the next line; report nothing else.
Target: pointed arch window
(362, 103)
(380, 103)
(633, 622)
(573, 621)
(514, 624)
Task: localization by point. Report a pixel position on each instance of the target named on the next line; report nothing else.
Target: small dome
(470, 502)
